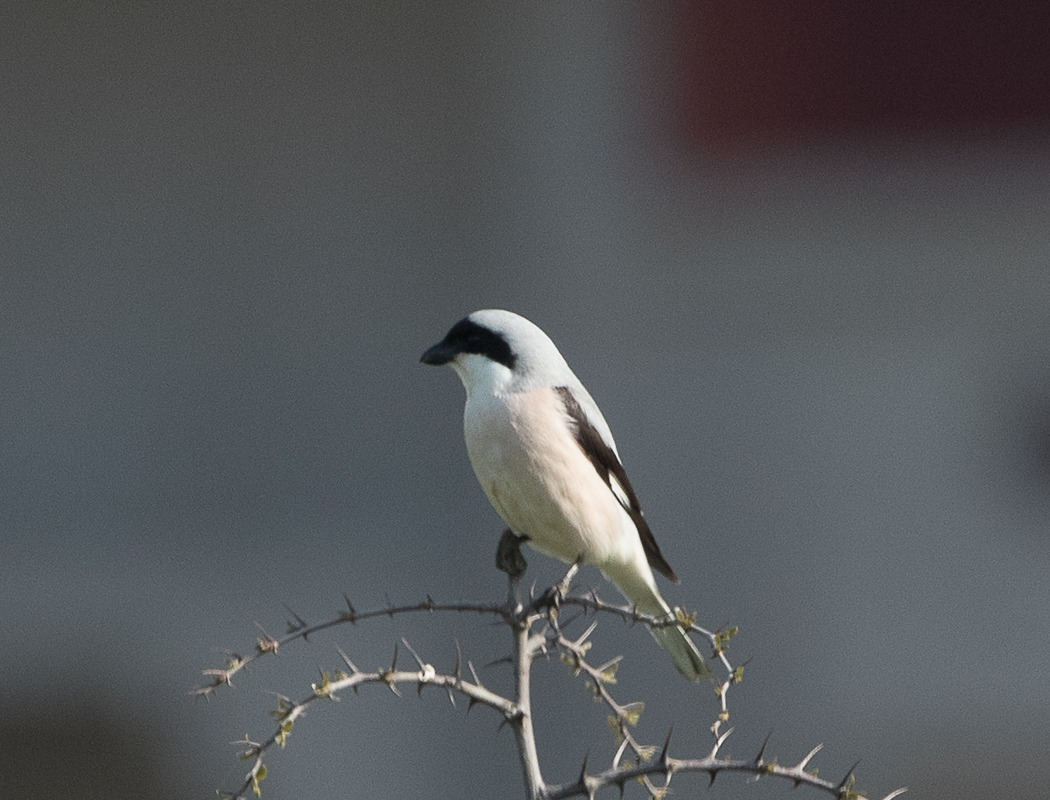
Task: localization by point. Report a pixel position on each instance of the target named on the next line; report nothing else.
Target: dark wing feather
(610, 469)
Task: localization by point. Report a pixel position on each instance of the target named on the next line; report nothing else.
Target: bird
(546, 459)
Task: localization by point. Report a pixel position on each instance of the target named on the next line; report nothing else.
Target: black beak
(439, 354)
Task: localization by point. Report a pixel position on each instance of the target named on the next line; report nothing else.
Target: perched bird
(546, 459)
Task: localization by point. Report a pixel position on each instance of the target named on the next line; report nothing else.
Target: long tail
(687, 659)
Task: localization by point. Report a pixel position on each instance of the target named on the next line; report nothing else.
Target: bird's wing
(593, 435)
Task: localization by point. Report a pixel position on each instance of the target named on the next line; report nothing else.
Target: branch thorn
(762, 749)
(619, 753)
(346, 659)
(299, 621)
(667, 744)
(802, 764)
(415, 655)
(351, 611)
(719, 741)
(849, 775)
(586, 633)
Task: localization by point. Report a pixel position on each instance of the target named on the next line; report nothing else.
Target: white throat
(482, 375)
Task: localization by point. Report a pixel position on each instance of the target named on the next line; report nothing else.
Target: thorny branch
(270, 645)
(537, 632)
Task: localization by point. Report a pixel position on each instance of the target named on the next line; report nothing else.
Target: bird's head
(496, 351)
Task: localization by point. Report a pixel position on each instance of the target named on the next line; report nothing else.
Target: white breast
(541, 483)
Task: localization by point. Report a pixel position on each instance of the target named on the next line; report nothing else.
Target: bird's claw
(508, 555)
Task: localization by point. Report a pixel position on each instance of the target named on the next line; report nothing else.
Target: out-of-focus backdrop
(799, 256)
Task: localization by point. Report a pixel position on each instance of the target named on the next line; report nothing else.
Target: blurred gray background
(818, 328)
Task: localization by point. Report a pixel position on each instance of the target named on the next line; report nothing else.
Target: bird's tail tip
(684, 655)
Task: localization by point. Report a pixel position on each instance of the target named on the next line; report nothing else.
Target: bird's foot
(508, 555)
(510, 560)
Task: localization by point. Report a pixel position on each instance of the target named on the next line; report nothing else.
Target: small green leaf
(260, 774)
(282, 736)
(268, 645)
(572, 661)
(323, 689)
(722, 638)
(283, 709)
(632, 712)
(608, 672)
(847, 791)
(686, 620)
